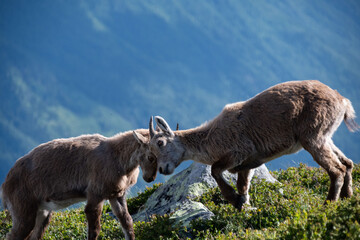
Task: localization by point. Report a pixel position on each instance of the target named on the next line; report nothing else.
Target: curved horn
(151, 128)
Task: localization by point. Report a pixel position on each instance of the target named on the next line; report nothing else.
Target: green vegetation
(290, 209)
(135, 203)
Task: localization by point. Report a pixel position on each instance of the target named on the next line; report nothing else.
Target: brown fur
(61, 172)
(280, 120)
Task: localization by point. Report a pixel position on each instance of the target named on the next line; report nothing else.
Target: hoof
(346, 193)
(238, 207)
(240, 200)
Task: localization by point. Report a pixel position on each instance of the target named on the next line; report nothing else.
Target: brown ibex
(280, 120)
(62, 172)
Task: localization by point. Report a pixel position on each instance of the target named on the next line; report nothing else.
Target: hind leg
(42, 221)
(23, 223)
(326, 158)
(346, 190)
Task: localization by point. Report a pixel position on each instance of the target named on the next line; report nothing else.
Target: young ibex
(62, 172)
(281, 120)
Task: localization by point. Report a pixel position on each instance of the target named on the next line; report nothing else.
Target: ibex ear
(164, 126)
(157, 129)
(139, 138)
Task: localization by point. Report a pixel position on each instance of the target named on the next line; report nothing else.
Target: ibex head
(165, 145)
(146, 159)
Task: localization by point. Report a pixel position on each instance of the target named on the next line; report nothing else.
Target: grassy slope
(291, 209)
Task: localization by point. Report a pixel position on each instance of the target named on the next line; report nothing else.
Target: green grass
(290, 209)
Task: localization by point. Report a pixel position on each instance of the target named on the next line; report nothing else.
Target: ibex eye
(151, 158)
(160, 143)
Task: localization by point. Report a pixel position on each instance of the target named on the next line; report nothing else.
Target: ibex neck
(123, 146)
(194, 142)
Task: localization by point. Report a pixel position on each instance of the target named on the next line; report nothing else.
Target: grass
(290, 209)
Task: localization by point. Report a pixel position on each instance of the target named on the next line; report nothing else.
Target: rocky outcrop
(178, 193)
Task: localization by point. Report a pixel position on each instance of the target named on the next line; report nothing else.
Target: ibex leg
(120, 209)
(227, 191)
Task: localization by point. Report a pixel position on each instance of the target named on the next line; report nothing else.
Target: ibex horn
(151, 128)
(177, 126)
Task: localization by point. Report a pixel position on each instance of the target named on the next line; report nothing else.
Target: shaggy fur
(62, 172)
(280, 120)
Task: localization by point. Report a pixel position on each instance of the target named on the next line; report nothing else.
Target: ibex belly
(257, 159)
(293, 149)
(62, 200)
(57, 205)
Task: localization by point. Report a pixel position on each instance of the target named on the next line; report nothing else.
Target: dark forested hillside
(74, 67)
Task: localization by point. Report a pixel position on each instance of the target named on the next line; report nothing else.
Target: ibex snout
(166, 170)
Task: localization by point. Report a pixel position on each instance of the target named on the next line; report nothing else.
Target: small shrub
(301, 190)
(5, 223)
(160, 227)
(135, 203)
(338, 220)
(312, 178)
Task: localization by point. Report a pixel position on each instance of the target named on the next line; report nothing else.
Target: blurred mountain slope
(70, 68)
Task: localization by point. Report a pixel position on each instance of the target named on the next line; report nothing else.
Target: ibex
(62, 172)
(280, 120)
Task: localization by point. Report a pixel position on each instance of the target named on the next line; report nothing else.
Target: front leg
(93, 211)
(119, 208)
(227, 191)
